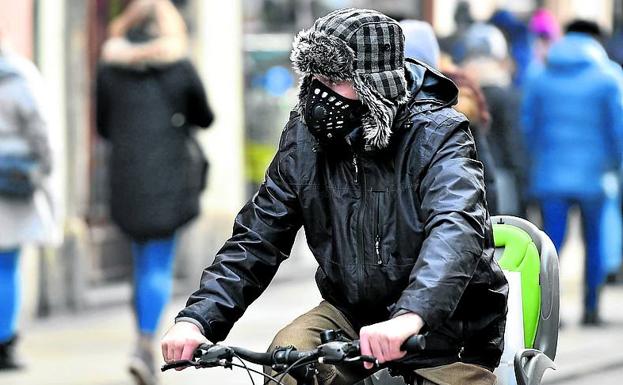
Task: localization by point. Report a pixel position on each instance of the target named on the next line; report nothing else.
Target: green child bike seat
(521, 255)
(522, 248)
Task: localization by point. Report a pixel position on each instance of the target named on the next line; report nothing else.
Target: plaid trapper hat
(365, 47)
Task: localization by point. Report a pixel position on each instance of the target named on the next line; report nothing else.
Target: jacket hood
(575, 50)
(429, 90)
(428, 86)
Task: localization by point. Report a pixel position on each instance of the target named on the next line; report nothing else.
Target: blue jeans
(10, 296)
(555, 213)
(153, 280)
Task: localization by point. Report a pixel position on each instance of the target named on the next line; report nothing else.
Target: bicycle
(335, 349)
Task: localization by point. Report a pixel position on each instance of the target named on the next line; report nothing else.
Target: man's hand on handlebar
(180, 342)
(383, 340)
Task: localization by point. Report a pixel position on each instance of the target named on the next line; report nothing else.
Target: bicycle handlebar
(414, 344)
(332, 352)
(282, 356)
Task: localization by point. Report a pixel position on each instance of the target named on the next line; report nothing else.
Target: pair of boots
(142, 363)
(8, 356)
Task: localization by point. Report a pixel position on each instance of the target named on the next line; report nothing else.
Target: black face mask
(330, 116)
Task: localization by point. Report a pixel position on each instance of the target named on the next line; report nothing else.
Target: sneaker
(8, 356)
(142, 365)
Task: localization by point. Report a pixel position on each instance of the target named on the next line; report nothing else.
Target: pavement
(93, 347)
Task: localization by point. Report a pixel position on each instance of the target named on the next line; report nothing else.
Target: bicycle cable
(271, 378)
(294, 365)
(245, 366)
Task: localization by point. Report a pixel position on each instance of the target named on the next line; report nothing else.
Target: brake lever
(205, 356)
(214, 355)
(202, 349)
(178, 364)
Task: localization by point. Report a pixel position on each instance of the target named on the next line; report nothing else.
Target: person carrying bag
(26, 215)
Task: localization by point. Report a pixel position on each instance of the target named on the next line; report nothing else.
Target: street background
(76, 324)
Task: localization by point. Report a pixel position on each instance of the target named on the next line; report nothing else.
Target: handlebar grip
(413, 344)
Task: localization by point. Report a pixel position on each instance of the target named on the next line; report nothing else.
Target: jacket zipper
(356, 166)
(360, 257)
(377, 233)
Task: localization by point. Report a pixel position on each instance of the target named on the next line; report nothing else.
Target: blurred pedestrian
(473, 105)
(517, 36)
(421, 44)
(614, 44)
(453, 44)
(612, 216)
(488, 63)
(26, 206)
(573, 120)
(545, 31)
(149, 100)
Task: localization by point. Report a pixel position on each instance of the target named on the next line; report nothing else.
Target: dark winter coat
(157, 169)
(400, 229)
(505, 137)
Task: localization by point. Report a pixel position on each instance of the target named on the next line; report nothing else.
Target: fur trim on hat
(315, 52)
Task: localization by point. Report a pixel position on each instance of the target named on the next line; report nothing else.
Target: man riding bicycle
(383, 175)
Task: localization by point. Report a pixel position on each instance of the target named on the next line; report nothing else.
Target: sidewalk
(584, 352)
(92, 348)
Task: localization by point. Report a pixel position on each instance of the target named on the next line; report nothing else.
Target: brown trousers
(304, 334)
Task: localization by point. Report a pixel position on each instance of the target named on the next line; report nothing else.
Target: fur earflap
(378, 121)
(303, 93)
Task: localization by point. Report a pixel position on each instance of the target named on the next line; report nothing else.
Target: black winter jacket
(401, 229)
(157, 170)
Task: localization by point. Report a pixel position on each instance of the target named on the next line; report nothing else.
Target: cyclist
(383, 175)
